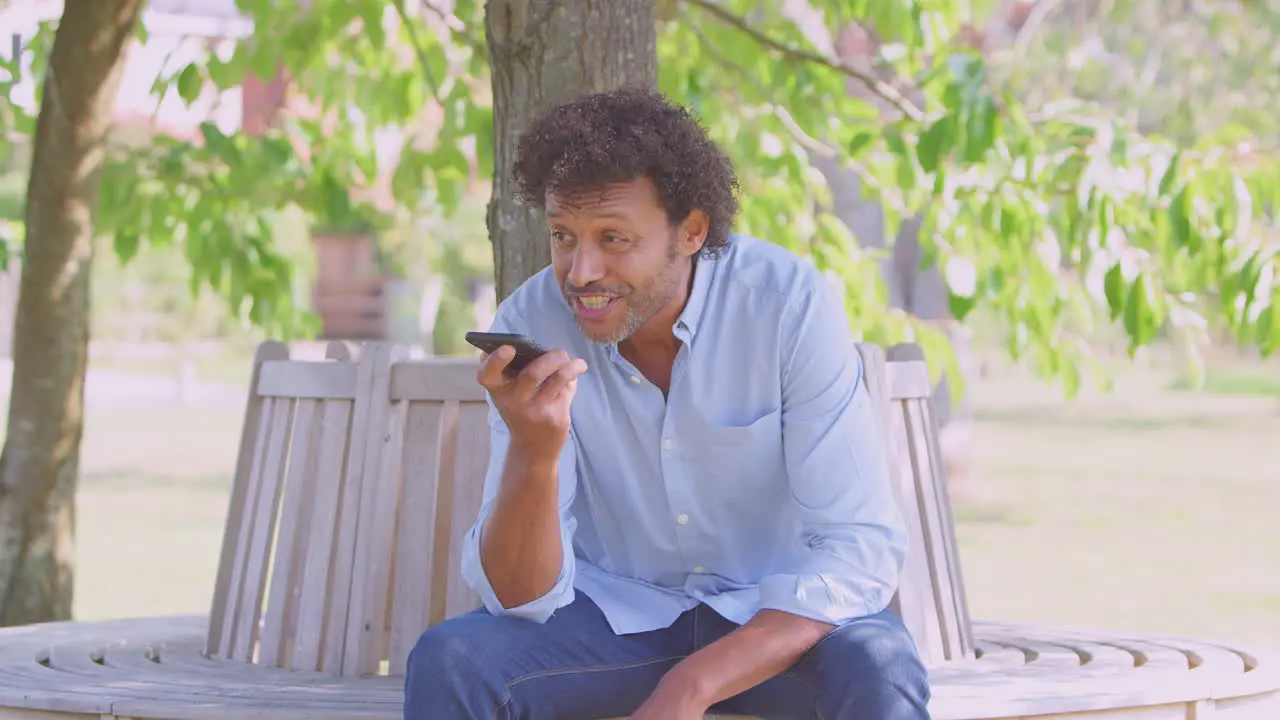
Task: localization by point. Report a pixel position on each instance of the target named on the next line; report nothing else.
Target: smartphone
(526, 349)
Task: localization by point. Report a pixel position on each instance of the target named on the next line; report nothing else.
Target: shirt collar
(703, 270)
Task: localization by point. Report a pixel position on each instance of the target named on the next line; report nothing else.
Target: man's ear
(693, 231)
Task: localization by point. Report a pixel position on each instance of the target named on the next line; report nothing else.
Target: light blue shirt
(762, 482)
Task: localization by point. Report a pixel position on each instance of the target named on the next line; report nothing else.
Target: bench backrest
(286, 552)
(931, 597)
(357, 478)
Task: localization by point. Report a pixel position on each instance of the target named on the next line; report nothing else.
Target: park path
(118, 390)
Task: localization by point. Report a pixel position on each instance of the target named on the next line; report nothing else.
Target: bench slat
(285, 588)
(935, 532)
(373, 534)
(915, 602)
(442, 522)
(250, 434)
(415, 541)
(244, 531)
(270, 485)
(905, 602)
(341, 571)
(308, 379)
(908, 379)
(470, 462)
(377, 571)
(322, 531)
(950, 550)
(436, 380)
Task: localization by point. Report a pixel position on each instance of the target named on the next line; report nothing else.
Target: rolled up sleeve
(838, 473)
(473, 573)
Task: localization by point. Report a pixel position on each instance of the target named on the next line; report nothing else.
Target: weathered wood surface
(155, 668)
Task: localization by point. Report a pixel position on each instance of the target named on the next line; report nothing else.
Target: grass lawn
(1146, 509)
(1151, 509)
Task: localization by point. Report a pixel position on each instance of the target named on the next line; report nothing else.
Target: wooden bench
(358, 474)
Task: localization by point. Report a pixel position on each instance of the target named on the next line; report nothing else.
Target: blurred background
(1150, 502)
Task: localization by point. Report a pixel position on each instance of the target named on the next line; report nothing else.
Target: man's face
(618, 260)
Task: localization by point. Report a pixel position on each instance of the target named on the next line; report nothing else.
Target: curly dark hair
(616, 136)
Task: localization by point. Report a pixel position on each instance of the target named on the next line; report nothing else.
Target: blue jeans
(481, 667)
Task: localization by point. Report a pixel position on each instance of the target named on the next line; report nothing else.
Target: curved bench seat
(155, 668)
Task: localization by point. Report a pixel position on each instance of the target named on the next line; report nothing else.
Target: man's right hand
(535, 403)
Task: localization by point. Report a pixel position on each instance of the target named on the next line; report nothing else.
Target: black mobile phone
(526, 349)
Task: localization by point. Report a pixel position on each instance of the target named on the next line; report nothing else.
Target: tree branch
(1032, 25)
(797, 133)
(457, 26)
(881, 88)
(417, 47)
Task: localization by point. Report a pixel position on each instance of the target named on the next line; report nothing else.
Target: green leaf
(936, 143)
(1114, 286)
(264, 59)
(860, 141)
(189, 83)
(1170, 175)
(1180, 218)
(230, 73)
(437, 61)
(1269, 328)
(980, 128)
(407, 181)
(126, 244)
(450, 186)
(1140, 319)
(221, 145)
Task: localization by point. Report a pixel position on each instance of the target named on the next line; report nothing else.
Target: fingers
(537, 371)
(555, 368)
(490, 375)
(564, 378)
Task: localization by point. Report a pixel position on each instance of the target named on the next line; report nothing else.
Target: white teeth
(594, 302)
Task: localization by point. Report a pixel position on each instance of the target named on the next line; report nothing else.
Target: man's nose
(588, 266)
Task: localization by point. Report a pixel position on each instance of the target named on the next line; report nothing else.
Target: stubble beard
(642, 305)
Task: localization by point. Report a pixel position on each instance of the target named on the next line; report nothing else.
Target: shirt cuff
(811, 596)
(538, 610)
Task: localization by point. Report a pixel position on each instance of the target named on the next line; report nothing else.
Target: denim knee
(446, 677)
(871, 668)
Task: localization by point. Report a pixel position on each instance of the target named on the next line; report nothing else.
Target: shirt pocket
(767, 428)
(746, 457)
(739, 477)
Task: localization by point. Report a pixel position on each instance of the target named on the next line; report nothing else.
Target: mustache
(594, 289)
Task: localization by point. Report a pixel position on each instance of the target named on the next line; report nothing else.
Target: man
(687, 506)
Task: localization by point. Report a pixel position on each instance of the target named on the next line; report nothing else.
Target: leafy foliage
(1058, 216)
(1056, 219)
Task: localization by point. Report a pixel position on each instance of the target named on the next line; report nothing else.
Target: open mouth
(593, 306)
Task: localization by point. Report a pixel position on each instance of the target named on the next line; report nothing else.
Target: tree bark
(544, 52)
(40, 461)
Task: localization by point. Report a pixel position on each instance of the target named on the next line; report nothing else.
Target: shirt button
(667, 443)
(698, 569)
(697, 594)
(683, 519)
(635, 379)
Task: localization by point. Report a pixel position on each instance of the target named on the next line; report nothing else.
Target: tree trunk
(544, 52)
(40, 461)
